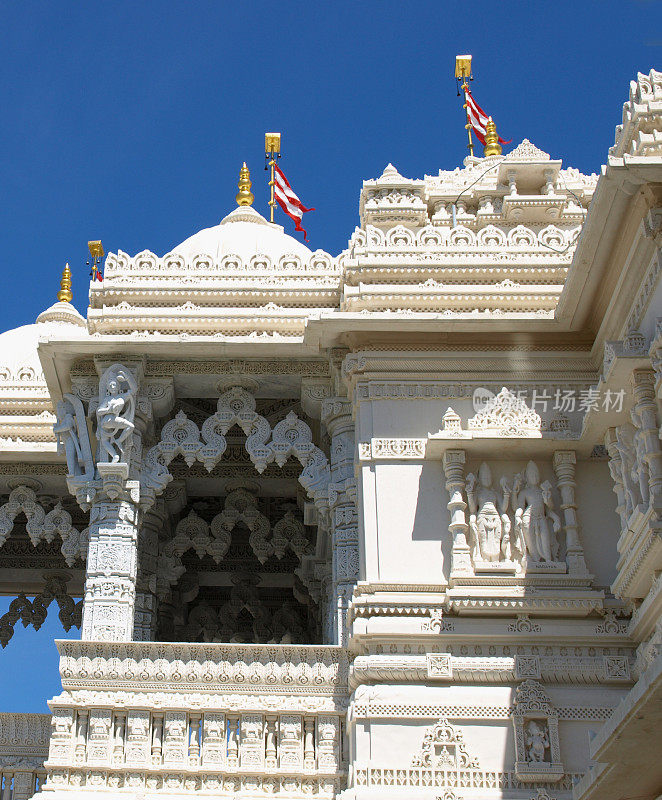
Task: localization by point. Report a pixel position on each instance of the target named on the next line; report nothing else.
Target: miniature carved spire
(65, 295)
(492, 146)
(245, 196)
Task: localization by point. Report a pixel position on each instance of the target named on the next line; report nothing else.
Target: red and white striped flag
(288, 200)
(478, 119)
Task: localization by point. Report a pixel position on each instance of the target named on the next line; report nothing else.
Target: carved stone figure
(73, 437)
(536, 739)
(536, 523)
(488, 520)
(640, 467)
(625, 444)
(115, 414)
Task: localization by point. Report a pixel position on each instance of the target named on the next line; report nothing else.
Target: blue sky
(128, 121)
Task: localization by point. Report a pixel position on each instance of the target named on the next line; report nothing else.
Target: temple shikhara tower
(382, 524)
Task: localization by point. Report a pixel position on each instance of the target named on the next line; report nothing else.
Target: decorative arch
(491, 236)
(400, 237)
(35, 612)
(41, 525)
(461, 236)
(551, 236)
(521, 237)
(290, 437)
(375, 236)
(430, 237)
(175, 262)
(443, 747)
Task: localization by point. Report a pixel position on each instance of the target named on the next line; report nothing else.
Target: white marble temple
(381, 524)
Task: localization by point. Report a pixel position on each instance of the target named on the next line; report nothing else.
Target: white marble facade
(386, 524)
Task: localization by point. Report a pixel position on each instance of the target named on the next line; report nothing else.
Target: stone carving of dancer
(115, 414)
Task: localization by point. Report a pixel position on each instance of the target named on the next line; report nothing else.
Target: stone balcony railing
(23, 750)
(206, 718)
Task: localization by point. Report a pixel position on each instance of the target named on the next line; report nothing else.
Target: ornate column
(337, 417)
(564, 468)
(153, 521)
(111, 488)
(110, 586)
(453, 463)
(23, 784)
(644, 414)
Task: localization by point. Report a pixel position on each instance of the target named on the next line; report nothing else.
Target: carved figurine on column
(115, 414)
(535, 520)
(488, 519)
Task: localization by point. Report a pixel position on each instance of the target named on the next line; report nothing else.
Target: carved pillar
(232, 743)
(616, 471)
(309, 743)
(111, 489)
(564, 467)
(270, 742)
(110, 585)
(23, 784)
(453, 462)
(153, 522)
(6, 786)
(337, 417)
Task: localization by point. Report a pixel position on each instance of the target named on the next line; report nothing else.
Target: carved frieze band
(494, 669)
(377, 449)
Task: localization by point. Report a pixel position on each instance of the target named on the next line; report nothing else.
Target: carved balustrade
(215, 718)
(23, 750)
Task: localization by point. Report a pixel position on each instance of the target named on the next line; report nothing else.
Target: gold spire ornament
(492, 146)
(245, 197)
(65, 295)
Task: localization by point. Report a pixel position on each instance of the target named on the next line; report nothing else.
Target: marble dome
(19, 360)
(244, 233)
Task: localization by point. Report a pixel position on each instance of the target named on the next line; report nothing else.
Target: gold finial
(245, 196)
(492, 146)
(65, 295)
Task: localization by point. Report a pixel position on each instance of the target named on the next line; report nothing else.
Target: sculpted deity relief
(489, 523)
(536, 523)
(529, 536)
(536, 739)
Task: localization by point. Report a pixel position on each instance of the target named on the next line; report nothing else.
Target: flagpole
(462, 73)
(272, 152)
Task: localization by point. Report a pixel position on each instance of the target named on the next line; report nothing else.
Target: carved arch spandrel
(42, 526)
(264, 445)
